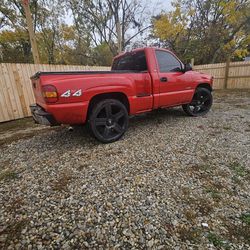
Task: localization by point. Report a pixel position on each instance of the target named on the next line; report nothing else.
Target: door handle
(164, 79)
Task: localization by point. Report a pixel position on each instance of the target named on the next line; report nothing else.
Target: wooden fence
(16, 91)
(234, 75)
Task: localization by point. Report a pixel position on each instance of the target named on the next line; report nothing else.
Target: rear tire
(201, 103)
(108, 120)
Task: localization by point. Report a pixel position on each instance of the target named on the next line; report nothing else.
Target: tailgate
(37, 89)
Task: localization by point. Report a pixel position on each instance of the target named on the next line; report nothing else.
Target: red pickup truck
(139, 81)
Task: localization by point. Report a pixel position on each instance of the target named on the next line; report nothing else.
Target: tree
(46, 21)
(48, 25)
(15, 45)
(210, 30)
(13, 23)
(114, 23)
(171, 28)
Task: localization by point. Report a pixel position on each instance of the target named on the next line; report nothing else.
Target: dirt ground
(172, 182)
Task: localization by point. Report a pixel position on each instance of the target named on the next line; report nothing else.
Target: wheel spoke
(197, 96)
(100, 121)
(196, 109)
(204, 107)
(118, 128)
(106, 132)
(108, 110)
(118, 115)
(205, 99)
(193, 103)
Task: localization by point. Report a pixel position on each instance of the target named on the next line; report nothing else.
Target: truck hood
(200, 75)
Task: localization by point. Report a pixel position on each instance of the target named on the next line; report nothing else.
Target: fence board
(16, 92)
(10, 95)
(238, 75)
(5, 110)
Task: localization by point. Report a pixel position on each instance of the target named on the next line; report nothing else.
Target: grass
(191, 234)
(239, 170)
(242, 106)
(227, 128)
(17, 125)
(61, 184)
(214, 194)
(203, 171)
(202, 168)
(217, 241)
(20, 129)
(236, 180)
(190, 215)
(8, 175)
(204, 206)
(239, 173)
(200, 205)
(245, 218)
(13, 231)
(239, 233)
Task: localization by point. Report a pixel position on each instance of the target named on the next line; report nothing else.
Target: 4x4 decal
(68, 93)
(78, 93)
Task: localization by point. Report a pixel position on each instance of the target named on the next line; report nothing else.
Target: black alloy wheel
(108, 120)
(201, 103)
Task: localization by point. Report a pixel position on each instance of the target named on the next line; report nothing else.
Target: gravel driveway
(172, 182)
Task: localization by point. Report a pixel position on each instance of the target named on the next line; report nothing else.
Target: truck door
(175, 86)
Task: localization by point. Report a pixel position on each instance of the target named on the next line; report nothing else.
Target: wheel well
(205, 85)
(114, 95)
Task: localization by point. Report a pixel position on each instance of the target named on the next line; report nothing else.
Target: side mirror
(188, 67)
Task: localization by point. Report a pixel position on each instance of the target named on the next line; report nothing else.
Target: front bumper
(42, 117)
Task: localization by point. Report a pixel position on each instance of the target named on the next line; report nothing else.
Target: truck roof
(140, 49)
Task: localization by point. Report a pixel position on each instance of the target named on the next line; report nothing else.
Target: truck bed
(40, 73)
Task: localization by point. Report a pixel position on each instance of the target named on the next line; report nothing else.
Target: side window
(133, 61)
(167, 62)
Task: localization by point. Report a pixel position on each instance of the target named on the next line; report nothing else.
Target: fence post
(226, 72)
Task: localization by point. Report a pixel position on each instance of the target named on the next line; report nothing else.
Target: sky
(165, 4)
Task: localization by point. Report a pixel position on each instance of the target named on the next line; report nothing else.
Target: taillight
(50, 93)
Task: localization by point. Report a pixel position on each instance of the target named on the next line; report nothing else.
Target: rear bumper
(42, 117)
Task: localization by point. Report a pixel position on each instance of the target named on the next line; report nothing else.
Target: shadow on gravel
(164, 113)
(81, 134)
(156, 117)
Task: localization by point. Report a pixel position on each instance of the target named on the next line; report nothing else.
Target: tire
(108, 120)
(201, 103)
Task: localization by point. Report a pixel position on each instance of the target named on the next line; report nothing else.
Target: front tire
(201, 103)
(108, 120)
